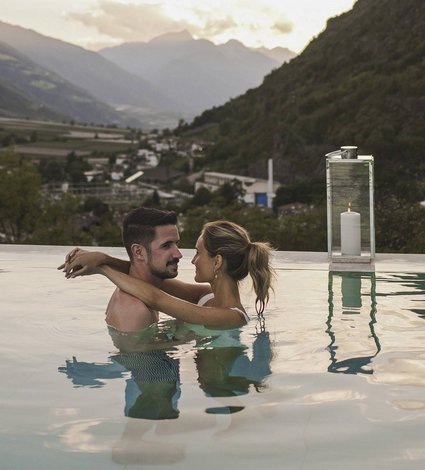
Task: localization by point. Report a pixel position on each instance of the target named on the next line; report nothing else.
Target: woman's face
(203, 262)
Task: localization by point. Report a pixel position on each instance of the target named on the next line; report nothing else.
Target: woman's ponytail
(261, 272)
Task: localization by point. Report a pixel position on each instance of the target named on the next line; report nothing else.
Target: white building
(257, 191)
(150, 158)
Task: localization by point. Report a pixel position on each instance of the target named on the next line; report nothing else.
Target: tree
(51, 170)
(57, 225)
(20, 197)
(75, 168)
(201, 198)
(228, 193)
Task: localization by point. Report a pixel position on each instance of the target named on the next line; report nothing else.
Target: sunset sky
(97, 23)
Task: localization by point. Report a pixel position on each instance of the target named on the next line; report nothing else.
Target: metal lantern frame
(350, 182)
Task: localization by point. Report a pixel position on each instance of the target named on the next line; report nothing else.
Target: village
(126, 165)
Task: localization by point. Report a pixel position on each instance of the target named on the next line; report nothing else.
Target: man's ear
(138, 251)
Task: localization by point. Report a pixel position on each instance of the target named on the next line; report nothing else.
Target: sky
(93, 24)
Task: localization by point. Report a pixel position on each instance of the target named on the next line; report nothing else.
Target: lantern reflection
(351, 322)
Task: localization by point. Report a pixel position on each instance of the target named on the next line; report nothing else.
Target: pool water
(334, 378)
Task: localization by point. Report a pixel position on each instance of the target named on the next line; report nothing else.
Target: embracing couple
(146, 283)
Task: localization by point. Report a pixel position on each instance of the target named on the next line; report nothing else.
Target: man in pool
(151, 239)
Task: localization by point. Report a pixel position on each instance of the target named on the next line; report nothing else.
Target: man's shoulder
(126, 313)
(121, 300)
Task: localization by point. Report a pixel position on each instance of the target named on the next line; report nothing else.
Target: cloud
(128, 22)
(283, 27)
(136, 21)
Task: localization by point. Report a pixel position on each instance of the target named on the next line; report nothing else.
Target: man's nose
(178, 253)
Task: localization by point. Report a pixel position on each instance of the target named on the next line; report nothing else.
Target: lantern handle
(346, 152)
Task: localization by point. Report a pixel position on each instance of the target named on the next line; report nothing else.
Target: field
(38, 139)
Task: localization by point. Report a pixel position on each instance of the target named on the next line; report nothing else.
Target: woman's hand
(80, 262)
(69, 257)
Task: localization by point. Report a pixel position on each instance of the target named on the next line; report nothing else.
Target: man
(151, 239)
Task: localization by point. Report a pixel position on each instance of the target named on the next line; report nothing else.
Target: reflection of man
(152, 391)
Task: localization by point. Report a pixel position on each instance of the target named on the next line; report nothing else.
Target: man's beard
(163, 274)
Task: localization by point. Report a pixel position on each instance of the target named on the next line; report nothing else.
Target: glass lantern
(350, 210)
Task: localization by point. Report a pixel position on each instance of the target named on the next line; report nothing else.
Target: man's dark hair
(139, 226)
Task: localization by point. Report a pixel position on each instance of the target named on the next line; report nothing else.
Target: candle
(350, 233)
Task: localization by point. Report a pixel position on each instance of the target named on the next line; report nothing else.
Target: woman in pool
(224, 256)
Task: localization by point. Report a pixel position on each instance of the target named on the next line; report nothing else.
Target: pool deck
(299, 260)
(384, 262)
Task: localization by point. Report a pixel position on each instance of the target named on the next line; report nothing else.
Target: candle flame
(349, 206)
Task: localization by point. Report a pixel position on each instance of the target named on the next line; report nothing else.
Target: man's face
(164, 254)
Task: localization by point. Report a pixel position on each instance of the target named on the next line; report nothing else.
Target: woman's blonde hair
(242, 256)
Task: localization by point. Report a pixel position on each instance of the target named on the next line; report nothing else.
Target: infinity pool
(334, 378)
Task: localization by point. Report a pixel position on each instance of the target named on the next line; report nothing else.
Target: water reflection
(149, 362)
(415, 284)
(229, 372)
(351, 322)
(151, 392)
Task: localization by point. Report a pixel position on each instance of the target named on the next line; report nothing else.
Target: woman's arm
(192, 292)
(173, 306)
(79, 262)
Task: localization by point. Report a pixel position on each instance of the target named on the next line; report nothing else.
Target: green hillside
(29, 90)
(360, 82)
(14, 104)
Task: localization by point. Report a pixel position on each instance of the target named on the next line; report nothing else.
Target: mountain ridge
(181, 87)
(200, 73)
(86, 69)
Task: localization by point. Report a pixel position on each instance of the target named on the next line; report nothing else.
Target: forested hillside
(361, 82)
(32, 91)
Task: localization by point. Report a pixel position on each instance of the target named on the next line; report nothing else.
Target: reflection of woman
(227, 371)
(224, 256)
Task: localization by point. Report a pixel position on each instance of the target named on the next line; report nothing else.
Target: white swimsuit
(205, 298)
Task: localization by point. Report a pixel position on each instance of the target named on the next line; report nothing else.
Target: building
(257, 191)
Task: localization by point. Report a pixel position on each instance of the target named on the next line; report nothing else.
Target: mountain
(195, 72)
(28, 90)
(87, 70)
(360, 82)
(13, 104)
(154, 84)
(279, 54)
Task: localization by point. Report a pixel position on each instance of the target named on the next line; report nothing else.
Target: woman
(224, 256)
